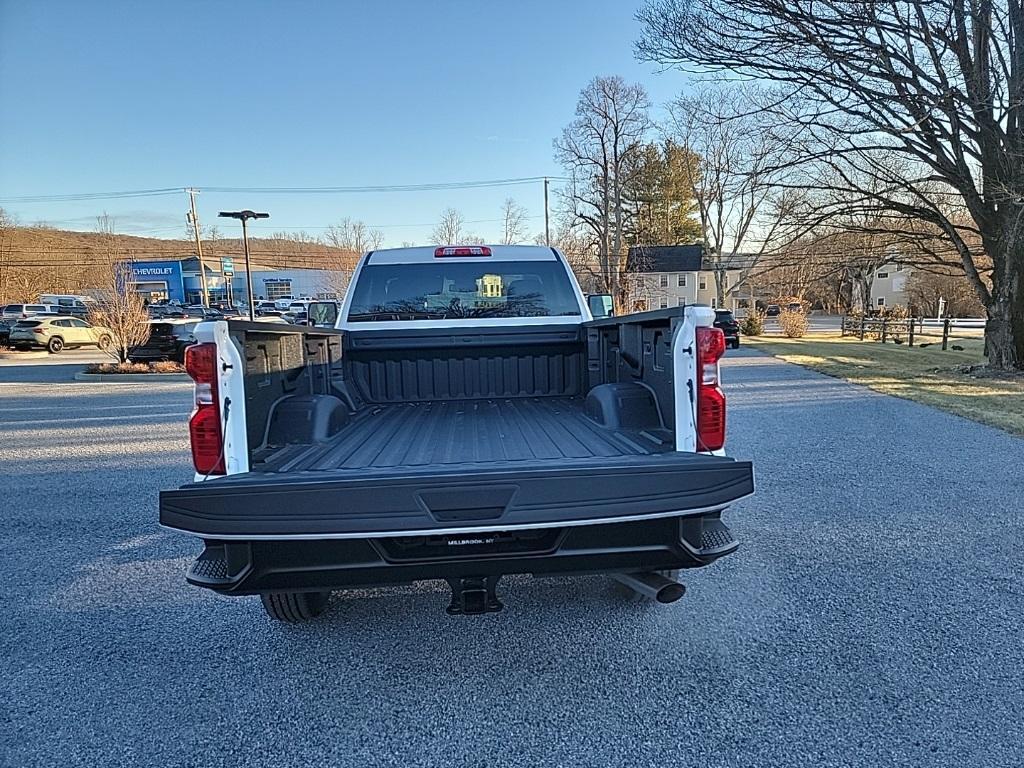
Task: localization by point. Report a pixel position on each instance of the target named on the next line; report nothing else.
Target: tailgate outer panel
(372, 503)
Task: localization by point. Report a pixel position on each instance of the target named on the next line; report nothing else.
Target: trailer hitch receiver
(474, 595)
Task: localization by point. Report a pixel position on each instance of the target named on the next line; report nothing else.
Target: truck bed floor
(465, 431)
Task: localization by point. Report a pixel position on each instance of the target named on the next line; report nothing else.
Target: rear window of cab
(447, 289)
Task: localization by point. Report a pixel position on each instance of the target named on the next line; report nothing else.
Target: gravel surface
(871, 618)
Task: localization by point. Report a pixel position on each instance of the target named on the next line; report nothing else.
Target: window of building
(881, 301)
(714, 303)
(664, 281)
(703, 283)
(663, 303)
(681, 280)
(882, 275)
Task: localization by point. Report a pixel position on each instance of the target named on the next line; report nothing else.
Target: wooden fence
(908, 329)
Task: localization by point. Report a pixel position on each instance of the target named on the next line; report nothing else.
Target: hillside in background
(37, 260)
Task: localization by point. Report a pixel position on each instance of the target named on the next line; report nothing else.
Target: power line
(72, 197)
(431, 187)
(437, 186)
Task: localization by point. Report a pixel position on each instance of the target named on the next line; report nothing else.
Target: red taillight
(204, 426)
(710, 400)
(462, 250)
(38, 330)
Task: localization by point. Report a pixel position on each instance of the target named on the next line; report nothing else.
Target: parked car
(730, 326)
(204, 313)
(795, 306)
(56, 333)
(5, 332)
(157, 311)
(774, 310)
(295, 318)
(167, 341)
(68, 304)
(266, 308)
(444, 430)
(21, 311)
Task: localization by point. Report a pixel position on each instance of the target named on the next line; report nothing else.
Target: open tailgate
(455, 498)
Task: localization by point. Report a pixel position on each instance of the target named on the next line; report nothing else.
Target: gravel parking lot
(872, 616)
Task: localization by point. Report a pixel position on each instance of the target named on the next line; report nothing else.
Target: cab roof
(425, 254)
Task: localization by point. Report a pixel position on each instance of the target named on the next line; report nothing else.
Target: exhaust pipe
(653, 585)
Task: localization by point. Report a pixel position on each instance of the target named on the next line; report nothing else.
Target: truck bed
(413, 469)
(440, 434)
(510, 430)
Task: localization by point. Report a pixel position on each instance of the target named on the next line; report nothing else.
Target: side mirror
(601, 305)
(322, 314)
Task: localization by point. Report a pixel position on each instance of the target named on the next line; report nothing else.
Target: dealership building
(179, 280)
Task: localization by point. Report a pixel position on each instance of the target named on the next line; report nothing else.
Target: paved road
(25, 367)
(872, 617)
(815, 324)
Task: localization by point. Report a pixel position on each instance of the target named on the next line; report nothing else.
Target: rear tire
(55, 345)
(736, 344)
(294, 607)
(632, 596)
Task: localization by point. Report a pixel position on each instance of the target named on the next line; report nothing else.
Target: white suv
(56, 333)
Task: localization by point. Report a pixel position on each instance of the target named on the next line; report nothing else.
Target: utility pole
(547, 228)
(244, 217)
(199, 246)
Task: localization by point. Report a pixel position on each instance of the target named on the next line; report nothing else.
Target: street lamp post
(244, 217)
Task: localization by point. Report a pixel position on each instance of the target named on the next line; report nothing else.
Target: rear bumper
(21, 341)
(147, 356)
(251, 567)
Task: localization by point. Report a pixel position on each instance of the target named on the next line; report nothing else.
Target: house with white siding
(675, 275)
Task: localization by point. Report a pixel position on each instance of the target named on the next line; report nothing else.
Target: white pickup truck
(463, 417)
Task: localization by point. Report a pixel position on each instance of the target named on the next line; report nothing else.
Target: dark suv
(167, 341)
(730, 327)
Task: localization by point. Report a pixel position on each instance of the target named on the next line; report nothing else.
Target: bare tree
(743, 212)
(353, 235)
(121, 308)
(449, 230)
(513, 218)
(936, 84)
(596, 150)
(6, 260)
(578, 251)
(348, 239)
(948, 290)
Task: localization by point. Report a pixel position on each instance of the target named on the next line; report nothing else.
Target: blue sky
(106, 96)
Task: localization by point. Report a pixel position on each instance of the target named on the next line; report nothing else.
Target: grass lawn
(928, 375)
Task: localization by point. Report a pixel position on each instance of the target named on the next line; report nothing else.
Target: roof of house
(664, 258)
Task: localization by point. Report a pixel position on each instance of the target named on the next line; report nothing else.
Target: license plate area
(457, 546)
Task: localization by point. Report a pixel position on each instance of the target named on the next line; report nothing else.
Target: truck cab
(465, 418)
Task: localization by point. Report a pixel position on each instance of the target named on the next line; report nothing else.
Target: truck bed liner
(465, 432)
